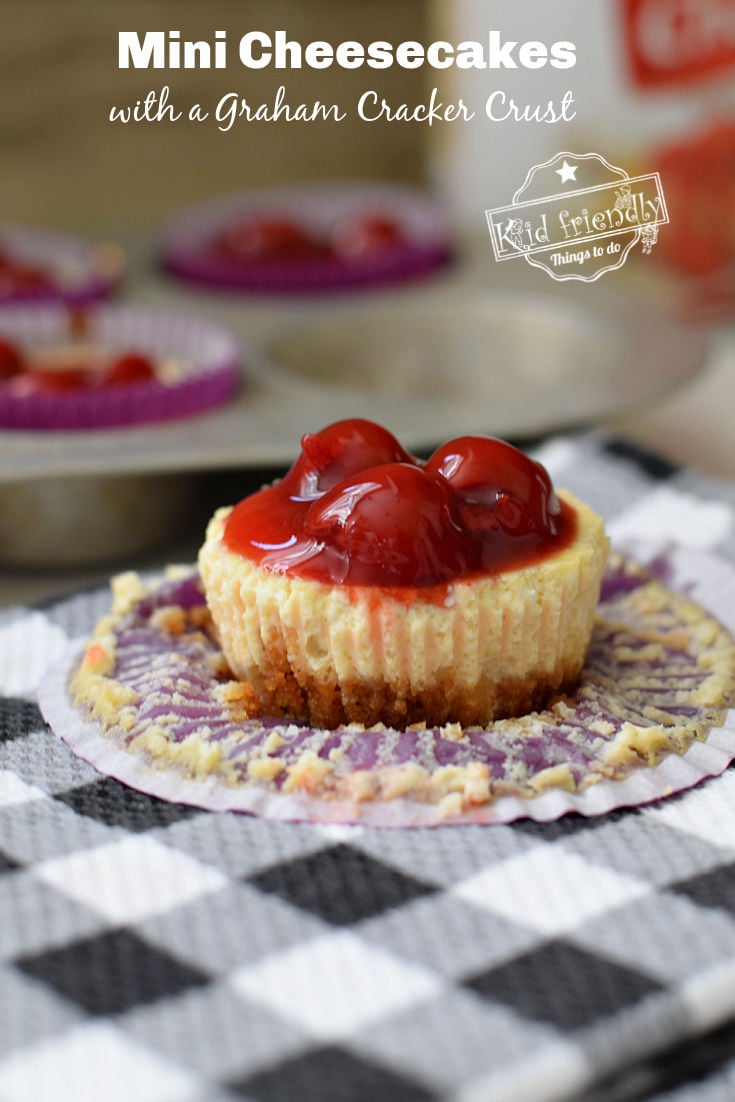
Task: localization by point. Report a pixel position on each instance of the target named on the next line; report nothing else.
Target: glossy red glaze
(129, 368)
(17, 276)
(495, 479)
(357, 509)
(366, 236)
(23, 379)
(339, 451)
(39, 380)
(11, 360)
(262, 237)
(392, 523)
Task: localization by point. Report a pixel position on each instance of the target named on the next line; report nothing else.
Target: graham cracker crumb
(265, 769)
(273, 743)
(362, 785)
(170, 619)
(309, 772)
(401, 780)
(450, 806)
(557, 776)
(128, 590)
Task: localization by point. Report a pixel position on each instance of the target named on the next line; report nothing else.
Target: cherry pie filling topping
(24, 375)
(357, 509)
(22, 277)
(279, 238)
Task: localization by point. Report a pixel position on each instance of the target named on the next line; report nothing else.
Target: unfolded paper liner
(189, 241)
(208, 358)
(79, 272)
(704, 578)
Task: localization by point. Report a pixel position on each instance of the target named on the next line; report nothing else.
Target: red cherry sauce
(366, 237)
(269, 237)
(130, 367)
(357, 509)
(20, 278)
(12, 362)
(88, 371)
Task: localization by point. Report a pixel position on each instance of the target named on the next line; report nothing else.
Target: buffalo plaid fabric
(157, 953)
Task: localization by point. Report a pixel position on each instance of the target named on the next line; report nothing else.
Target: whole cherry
(12, 361)
(38, 381)
(131, 367)
(341, 449)
(268, 237)
(18, 279)
(499, 485)
(396, 524)
(366, 236)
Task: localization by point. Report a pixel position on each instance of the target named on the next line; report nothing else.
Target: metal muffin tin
(429, 362)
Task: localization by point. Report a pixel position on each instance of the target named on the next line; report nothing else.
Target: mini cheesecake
(70, 368)
(368, 587)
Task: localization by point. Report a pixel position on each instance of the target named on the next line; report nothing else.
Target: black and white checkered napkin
(156, 953)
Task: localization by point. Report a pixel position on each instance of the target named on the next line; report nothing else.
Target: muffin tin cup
(209, 356)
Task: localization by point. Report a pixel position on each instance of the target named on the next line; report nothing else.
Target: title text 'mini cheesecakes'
(368, 587)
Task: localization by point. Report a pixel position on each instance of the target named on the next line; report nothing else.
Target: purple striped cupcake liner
(207, 359)
(78, 272)
(190, 241)
(603, 747)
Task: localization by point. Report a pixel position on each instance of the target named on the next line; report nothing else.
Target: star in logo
(567, 172)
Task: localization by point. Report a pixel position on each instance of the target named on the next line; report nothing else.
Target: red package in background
(674, 42)
(687, 47)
